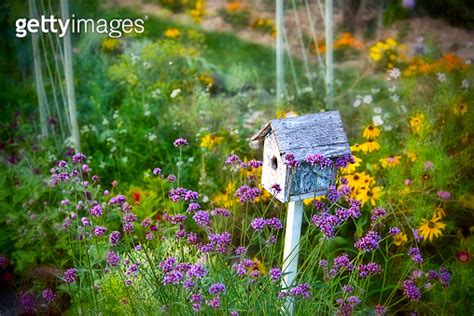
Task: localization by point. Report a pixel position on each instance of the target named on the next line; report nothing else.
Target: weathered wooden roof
(321, 133)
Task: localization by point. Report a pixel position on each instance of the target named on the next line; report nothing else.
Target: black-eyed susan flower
(432, 228)
(416, 123)
(370, 146)
(209, 141)
(400, 238)
(390, 161)
(172, 33)
(353, 166)
(460, 108)
(369, 195)
(371, 132)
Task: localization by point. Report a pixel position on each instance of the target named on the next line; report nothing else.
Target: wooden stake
(291, 251)
(40, 92)
(69, 76)
(280, 66)
(329, 55)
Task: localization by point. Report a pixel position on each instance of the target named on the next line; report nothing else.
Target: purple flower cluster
(411, 291)
(113, 259)
(254, 164)
(48, 295)
(202, 218)
(320, 160)
(394, 231)
(369, 242)
(341, 263)
(70, 275)
(117, 200)
(78, 158)
(216, 289)
(415, 255)
(27, 302)
(275, 274)
(247, 194)
(369, 269)
(291, 161)
(327, 223)
(182, 194)
(233, 160)
(377, 213)
(301, 290)
(180, 142)
(242, 266)
(444, 277)
(96, 210)
(344, 160)
(380, 310)
(221, 212)
(220, 242)
(156, 171)
(333, 194)
(259, 223)
(347, 305)
(114, 238)
(99, 231)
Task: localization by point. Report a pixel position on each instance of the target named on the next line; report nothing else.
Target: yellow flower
(209, 141)
(260, 266)
(264, 197)
(411, 155)
(391, 42)
(460, 108)
(225, 199)
(431, 228)
(356, 148)
(311, 200)
(359, 180)
(353, 166)
(440, 212)
(369, 195)
(416, 123)
(370, 146)
(391, 161)
(285, 114)
(110, 45)
(400, 239)
(172, 33)
(371, 132)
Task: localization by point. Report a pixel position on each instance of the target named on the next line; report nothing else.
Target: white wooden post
(280, 66)
(69, 76)
(329, 55)
(38, 74)
(292, 247)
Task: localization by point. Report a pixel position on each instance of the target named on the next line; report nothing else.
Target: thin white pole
(292, 248)
(329, 55)
(40, 92)
(69, 76)
(280, 66)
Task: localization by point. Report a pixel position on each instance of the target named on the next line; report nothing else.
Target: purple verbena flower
(96, 210)
(377, 213)
(156, 171)
(369, 242)
(114, 238)
(258, 224)
(113, 259)
(99, 231)
(247, 194)
(411, 291)
(48, 295)
(180, 142)
(368, 269)
(70, 275)
(303, 290)
(202, 218)
(216, 289)
(78, 158)
(415, 255)
(275, 274)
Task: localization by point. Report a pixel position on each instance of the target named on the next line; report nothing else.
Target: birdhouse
(321, 133)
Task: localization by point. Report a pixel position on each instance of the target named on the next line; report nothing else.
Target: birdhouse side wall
(312, 181)
(274, 171)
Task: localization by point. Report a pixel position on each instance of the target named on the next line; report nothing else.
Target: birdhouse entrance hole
(274, 163)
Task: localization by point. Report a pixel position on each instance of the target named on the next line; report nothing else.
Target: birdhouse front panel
(309, 181)
(274, 171)
(321, 133)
